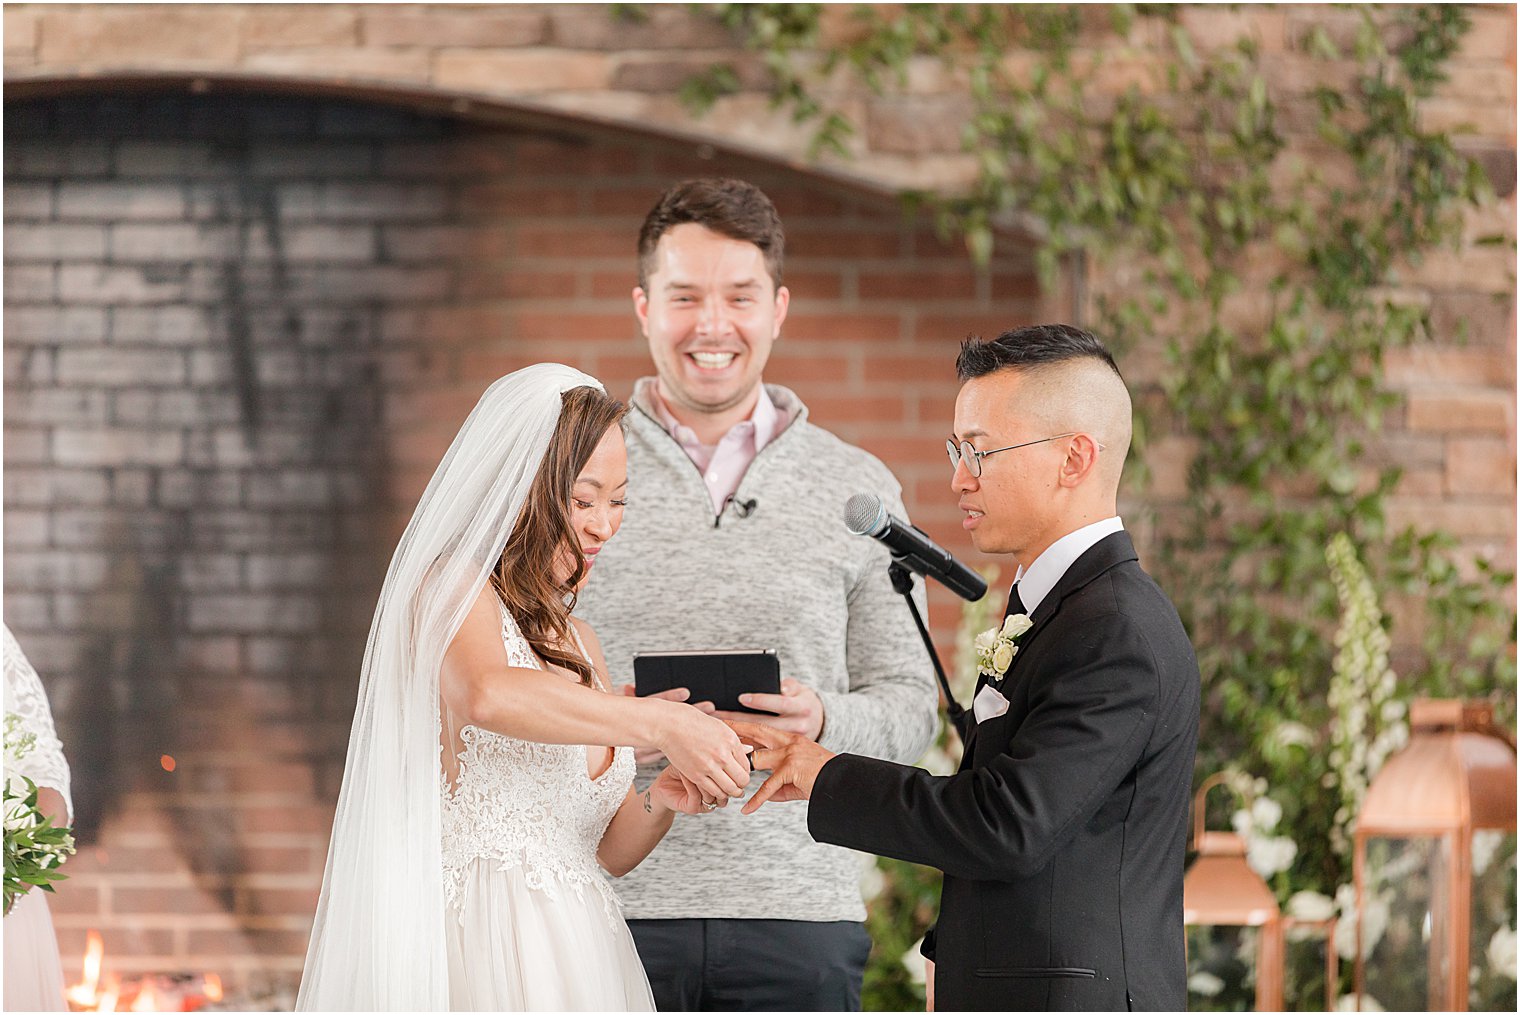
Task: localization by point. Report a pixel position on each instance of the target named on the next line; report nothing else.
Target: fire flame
(147, 999)
(147, 993)
(83, 995)
(107, 1001)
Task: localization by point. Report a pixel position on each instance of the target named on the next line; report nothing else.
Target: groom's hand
(798, 710)
(792, 759)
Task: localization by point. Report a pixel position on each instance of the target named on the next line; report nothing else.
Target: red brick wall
(239, 335)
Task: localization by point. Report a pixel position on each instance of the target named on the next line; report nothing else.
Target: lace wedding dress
(33, 971)
(532, 923)
(475, 888)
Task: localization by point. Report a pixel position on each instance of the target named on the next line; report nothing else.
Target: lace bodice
(530, 806)
(44, 763)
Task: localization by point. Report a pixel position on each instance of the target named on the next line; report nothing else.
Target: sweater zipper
(717, 518)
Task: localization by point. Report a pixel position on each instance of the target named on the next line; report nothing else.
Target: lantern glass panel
(1404, 934)
(1306, 967)
(1491, 981)
(1221, 967)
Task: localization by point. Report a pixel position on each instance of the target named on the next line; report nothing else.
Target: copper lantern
(1434, 867)
(1224, 905)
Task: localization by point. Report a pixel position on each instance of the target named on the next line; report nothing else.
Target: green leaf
(699, 92)
(1212, 238)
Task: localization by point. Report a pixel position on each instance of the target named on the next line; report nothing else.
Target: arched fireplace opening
(241, 327)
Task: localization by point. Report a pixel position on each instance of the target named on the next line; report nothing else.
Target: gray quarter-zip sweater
(787, 575)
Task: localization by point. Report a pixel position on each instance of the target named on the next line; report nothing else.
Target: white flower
(994, 648)
(1294, 734)
(1241, 822)
(1266, 813)
(19, 818)
(1204, 984)
(1368, 722)
(1374, 924)
(1501, 952)
(914, 962)
(873, 880)
(1485, 843)
(1350, 1002)
(1345, 927)
(1269, 854)
(18, 743)
(1310, 906)
(1015, 625)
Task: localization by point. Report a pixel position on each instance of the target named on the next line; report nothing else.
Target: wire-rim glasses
(964, 452)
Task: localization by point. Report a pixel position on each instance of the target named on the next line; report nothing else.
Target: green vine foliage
(1271, 270)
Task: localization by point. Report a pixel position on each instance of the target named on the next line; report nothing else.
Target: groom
(1062, 835)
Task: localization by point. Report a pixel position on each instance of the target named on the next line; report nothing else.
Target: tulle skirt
(33, 971)
(517, 948)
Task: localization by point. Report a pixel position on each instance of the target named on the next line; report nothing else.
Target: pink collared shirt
(723, 464)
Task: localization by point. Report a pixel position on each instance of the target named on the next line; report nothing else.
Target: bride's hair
(525, 575)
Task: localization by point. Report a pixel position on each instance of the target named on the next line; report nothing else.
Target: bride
(463, 870)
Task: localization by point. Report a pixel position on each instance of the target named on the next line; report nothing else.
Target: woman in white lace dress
(33, 971)
(489, 776)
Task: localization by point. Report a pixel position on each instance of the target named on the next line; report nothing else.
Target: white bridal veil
(378, 940)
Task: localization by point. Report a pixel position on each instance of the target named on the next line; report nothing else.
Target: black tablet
(718, 677)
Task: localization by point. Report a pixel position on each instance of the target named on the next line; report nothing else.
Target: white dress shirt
(1034, 584)
(723, 464)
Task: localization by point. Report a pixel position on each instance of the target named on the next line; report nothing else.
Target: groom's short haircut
(1030, 348)
(729, 207)
(1072, 383)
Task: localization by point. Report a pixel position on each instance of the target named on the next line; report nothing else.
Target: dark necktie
(1015, 604)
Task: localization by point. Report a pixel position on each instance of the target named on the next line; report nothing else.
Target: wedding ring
(709, 807)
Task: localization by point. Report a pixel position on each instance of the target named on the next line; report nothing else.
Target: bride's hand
(677, 793)
(651, 755)
(705, 751)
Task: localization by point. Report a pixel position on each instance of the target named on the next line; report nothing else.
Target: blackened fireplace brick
(240, 331)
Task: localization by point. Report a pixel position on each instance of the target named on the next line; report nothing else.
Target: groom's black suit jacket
(1062, 835)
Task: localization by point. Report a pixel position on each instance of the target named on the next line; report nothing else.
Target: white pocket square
(989, 704)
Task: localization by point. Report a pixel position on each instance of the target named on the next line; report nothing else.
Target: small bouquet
(996, 646)
(34, 846)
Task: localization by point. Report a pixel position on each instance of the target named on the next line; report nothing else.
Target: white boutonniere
(996, 646)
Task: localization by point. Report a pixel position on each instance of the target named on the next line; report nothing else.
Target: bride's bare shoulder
(593, 646)
(481, 629)
(587, 632)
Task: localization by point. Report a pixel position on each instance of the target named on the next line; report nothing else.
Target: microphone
(866, 515)
(742, 508)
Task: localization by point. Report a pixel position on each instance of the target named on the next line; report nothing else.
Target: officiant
(732, 539)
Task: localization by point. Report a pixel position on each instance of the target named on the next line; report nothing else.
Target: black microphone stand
(902, 581)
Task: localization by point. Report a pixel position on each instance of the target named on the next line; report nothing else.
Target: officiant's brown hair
(524, 577)
(733, 208)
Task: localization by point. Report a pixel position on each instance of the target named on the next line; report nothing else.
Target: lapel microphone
(742, 508)
(866, 515)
